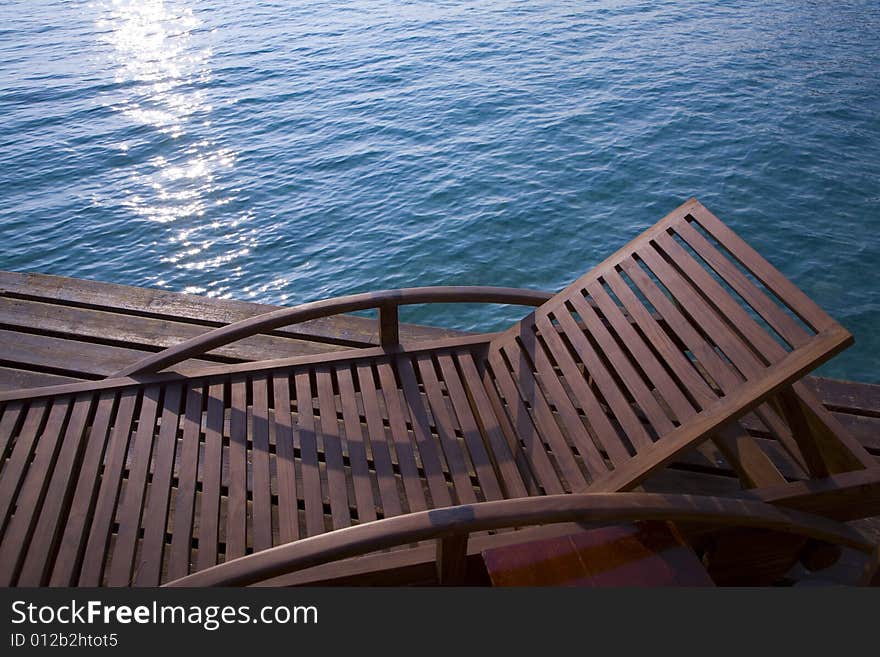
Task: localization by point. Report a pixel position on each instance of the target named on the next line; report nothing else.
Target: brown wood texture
(677, 336)
(611, 384)
(542, 510)
(207, 471)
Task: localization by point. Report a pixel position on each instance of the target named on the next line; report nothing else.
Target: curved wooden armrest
(386, 300)
(460, 521)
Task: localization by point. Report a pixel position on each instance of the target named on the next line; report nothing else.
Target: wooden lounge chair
(153, 474)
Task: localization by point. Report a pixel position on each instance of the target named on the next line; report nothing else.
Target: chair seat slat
(445, 431)
(52, 516)
(308, 441)
(209, 511)
(180, 551)
(132, 500)
(148, 570)
(33, 479)
(285, 462)
(356, 443)
(337, 484)
(77, 523)
(486, 476)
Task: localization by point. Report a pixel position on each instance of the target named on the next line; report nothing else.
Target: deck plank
(56, 330)
(73, 358)
(109, 327)
(175, 305)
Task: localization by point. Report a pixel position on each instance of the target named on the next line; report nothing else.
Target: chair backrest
(681, 331)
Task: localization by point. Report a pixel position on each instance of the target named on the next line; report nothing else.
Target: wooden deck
(59, 330)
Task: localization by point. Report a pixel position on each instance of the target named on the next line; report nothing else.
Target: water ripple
(283, 152)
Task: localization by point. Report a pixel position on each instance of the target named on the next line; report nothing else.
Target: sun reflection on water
(178, 168)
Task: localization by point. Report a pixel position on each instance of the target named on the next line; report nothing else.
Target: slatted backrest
(680, 331)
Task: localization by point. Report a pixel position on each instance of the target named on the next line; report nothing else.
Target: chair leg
(452, 560)
(751, 464)
(827, 447)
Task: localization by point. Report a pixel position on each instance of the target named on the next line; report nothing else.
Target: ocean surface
(287, 151)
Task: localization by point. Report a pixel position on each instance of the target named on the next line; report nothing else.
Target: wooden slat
(406, 461)
(13, 414)
(132, 501)
(261, 517)
(606, 434)
(680, 365)
(847, 396)
(760, 340)
(73, 358)
(731, 343)
(522, 425)
(209, 511)
(724, 376)
(106, 326)
(570, 420)
(285, 468)
(550, 431)
(337, 486)
(379, 447)
(77, 523)
(175, 306)
(236, 509)
(506, 454)
(13, 378)
(505, 449)
(28, 499)
(14, 471)
(357, 452)
(864, 428)
(244, 369)
(799, 302)
(111, 479)
(187, 475)
(780, 321)
(149, 564)
(428, 449)
(44, 542)
(305, 428)
(641, 352)
(486, 477)
(452, 451)
(703, 352)
(604, 382)
(745, 455)
(720, 371)
(79, 359)
(622, 367)
(730, 408)
(733, 312)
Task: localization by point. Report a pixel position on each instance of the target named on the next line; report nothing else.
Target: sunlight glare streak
(162, 70)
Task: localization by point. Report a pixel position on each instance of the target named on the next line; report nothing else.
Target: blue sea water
(288, 151)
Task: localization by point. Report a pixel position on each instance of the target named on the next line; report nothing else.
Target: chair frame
(451, 527)
(845, 481)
